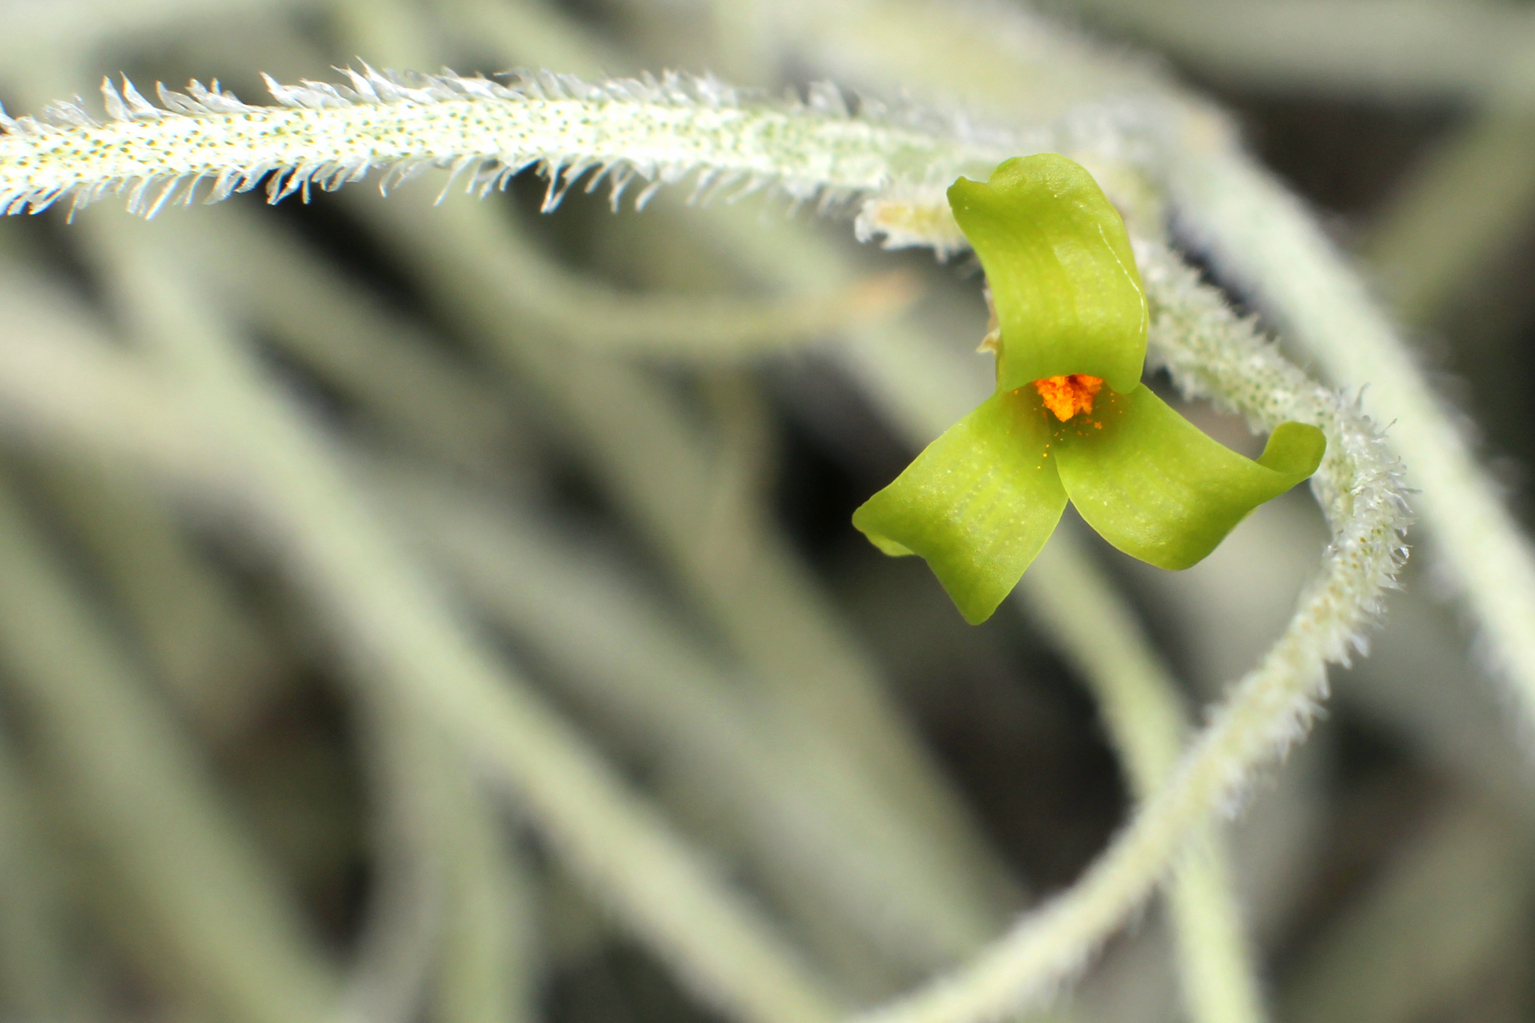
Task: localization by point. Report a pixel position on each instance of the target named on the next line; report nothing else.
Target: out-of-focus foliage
(451, 612)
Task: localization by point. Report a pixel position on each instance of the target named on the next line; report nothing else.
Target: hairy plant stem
(1141, 707)
(1196, 336)
(924, 387)
(658, 132)
(810, 673)
(1208, 351)
(1263, 239)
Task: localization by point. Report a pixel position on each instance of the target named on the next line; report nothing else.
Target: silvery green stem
(1262, 237)
(1208, 351)
(643, 132)
(1142, 710)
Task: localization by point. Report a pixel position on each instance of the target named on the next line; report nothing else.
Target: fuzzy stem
(925, 392)
(807, 669)
(323, 135)
(1208, 350)
(1065, 591)
(1141, 707)
(1263, 238)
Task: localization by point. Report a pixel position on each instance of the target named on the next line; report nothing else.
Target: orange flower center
(1066, 396)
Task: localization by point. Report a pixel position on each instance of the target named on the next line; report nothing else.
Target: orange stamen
(1066, 396)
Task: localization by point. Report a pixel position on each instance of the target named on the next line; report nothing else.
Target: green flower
(1070, 418)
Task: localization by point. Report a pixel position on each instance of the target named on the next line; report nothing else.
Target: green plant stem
(530, 27)
(660, 133)
(395, 952)
(191, 474)
(37, 38)
(394, 629)
(402, 376)
(1450, 902)
(201, 644)
(1261, 237)
(136, 790)
(669, 700)
(1463, 207)
(1463, 733)
(454, 932)
(924, 390)
(649, 458)
(65, 383)
(695, 328)
(39, 973)
(1390, 50)
(1141, 706)
(492, 961)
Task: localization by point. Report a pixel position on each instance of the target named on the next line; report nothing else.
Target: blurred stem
(744, 46)
(491, 959)
(742, 471)
(405, 378)
(452, 905)
(1001, 63)
(698, 328)
(37, 969)
(1140, 704)
(63, 377)
(649, 682)
(496, 28)
(1260, 236)
(202, 645)
(396, 630)
(36, 39)
(221, 927)
(650, 459)
(1463, 207)
(852, 879)
(401, 932)
(1392, 50)
(1450, 903)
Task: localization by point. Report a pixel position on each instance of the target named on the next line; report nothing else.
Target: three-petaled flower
(1070, 418)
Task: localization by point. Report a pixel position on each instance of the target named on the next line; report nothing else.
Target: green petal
(1157, 488)
(978, 503)
(1062, 276)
